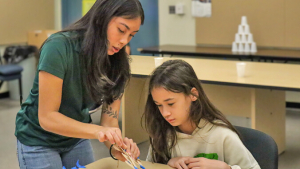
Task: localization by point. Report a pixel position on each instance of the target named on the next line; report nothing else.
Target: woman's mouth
(115, 50)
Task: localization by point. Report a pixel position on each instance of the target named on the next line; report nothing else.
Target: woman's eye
(170, 104)
(158, 105)
(121, 30)
(132, 35)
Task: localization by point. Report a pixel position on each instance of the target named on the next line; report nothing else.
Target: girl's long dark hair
(179, 77)
(105, 76)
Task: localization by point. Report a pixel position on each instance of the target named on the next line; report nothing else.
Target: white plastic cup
(247, 47)
(243, 40)
(250, 38)
(158, 61)
(246, 29)
(237, 38)
(253, 47)
(244, 20)
(241, 29)
(240, 69)
(234, 47)
(240, 47)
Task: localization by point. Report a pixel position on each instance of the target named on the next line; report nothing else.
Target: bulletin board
(273, 23)
(87, 5)
(20, 16)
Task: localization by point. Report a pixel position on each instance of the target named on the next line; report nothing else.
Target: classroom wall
(18, 17)
(273, 23)
(176, 29)
(57, 15)
(181, 30)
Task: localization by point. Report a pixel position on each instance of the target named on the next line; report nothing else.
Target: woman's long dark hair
(179, 77)
(105, 76)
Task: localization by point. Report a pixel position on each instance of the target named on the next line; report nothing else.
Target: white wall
(4, 85)
(176, 29)
(57, 15)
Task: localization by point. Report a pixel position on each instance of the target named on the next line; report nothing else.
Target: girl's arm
(50, 92)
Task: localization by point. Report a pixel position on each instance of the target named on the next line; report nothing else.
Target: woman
(83, 65)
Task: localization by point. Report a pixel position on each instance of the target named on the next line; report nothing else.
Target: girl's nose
(166, 112)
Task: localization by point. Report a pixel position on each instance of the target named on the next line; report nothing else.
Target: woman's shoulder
(62, 40)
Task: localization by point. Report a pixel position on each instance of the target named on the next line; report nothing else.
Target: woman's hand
(111, 134)
(132, 149)
(179, 162)
(197, 163)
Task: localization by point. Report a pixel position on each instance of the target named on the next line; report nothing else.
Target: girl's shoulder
(222, 130)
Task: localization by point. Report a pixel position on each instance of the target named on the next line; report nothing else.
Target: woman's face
(120, 31)
(174, 107)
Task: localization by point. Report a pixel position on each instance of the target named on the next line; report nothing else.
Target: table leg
(133, 103)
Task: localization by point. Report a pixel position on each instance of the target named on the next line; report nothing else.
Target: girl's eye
(132, 35)
(170, 104)
(121, 30)
(158, 105)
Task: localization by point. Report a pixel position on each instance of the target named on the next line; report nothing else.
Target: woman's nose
(123, 41)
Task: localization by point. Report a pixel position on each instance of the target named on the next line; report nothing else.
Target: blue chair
(262, 147)
(11, 72)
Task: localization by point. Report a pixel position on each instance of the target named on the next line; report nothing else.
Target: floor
(290, 159)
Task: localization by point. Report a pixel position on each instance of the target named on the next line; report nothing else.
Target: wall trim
(4, 95)
(292, 105)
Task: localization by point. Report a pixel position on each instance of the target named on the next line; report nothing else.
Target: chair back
(262, 147)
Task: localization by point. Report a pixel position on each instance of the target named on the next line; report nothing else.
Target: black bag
(15, 54)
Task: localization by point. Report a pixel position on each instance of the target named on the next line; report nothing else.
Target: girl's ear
(195, 93)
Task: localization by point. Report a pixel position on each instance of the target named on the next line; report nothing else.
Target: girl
(83, 65)
(183, 124)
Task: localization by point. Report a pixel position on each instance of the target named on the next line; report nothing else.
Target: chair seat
(8, 70)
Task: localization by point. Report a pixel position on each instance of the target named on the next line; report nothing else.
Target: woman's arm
(109, 118)
(50, 93)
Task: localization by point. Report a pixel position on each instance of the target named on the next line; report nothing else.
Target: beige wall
(181, 30)
(19, 17)
(273, 23)
(176, 29)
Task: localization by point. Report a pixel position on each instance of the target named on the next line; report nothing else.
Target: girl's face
(120, 31)
(174, 107)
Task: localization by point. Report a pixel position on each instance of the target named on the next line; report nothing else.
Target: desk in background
(223, 52)
(109, 163)
(260, 95)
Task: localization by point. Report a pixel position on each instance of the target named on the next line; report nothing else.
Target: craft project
(77, 166)
(129, 160)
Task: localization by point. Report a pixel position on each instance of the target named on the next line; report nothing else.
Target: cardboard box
(38, 37)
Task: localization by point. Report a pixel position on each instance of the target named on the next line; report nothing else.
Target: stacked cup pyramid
(243, 42)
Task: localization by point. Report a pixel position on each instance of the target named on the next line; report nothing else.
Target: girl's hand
(179, 162)
(132, 148)
(111, 134)
(197, 163)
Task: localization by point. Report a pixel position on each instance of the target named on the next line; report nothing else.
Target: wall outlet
(179, 9)
(172, 9)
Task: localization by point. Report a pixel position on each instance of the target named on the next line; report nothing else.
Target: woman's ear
(194, 93)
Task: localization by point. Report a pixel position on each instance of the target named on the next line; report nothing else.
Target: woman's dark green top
(60, 56)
